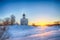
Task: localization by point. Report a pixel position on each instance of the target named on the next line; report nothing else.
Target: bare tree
(7, 21)
(1, 21)
(12, 19)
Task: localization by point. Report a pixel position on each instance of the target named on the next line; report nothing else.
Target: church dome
(23, 14)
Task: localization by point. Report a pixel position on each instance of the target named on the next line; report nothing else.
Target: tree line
(8, 21)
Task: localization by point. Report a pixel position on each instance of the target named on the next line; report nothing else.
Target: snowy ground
(16, 32)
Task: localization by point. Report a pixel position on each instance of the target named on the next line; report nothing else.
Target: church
(24, 20)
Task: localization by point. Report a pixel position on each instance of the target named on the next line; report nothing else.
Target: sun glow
(38, 23)
(41, 23)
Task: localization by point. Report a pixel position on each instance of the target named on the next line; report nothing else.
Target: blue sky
(35, 10)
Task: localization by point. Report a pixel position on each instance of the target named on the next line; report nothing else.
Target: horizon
(38, 12)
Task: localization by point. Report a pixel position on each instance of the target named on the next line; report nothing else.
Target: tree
(12, 19)
(1, 22)
(6, 22)
(57, 23)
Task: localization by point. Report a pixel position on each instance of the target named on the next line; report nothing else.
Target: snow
(25, 32)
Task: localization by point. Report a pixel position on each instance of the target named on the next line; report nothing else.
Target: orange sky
(40, 23)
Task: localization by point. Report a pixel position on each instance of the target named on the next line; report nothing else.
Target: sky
(37, 11)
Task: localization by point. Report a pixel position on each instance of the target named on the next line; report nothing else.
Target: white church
(24, 20)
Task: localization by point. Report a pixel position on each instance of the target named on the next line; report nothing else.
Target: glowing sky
(37, 11)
